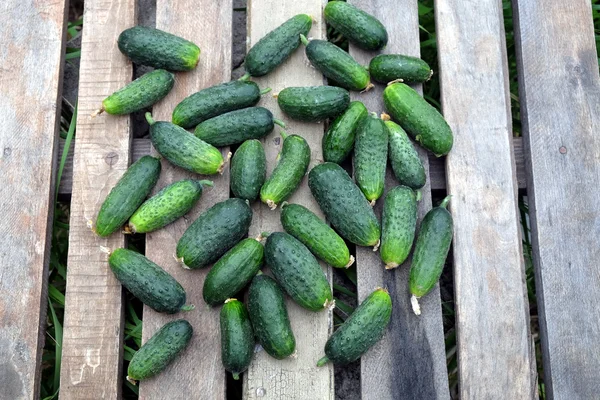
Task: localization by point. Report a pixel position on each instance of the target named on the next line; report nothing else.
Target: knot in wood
(111, 158)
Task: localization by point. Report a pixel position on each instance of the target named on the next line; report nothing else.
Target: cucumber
(359, 27)
(386, 68)
(158, 49)
(269, 317)
(289, 171)
(315, 234)
(344, 205)
(406, 164)
(419, 118)
(398, 223)
(233, 271)
(298, 271)
(183, 149)
(313, 103)
(431, 250)
(160, 350)
(365, 327)
(214, 232)
(237, 338)
(147, 281)
(276, 46)
(248, 170)
(127, 195)
(338, 141)
(370, 157)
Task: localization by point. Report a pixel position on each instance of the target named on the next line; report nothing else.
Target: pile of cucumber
(225, 115)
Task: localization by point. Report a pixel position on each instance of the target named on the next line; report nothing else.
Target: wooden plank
(30, 84)
(293, 378)
(204, 375)
(560, 100)
(492, 313)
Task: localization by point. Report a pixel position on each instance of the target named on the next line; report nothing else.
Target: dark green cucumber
(313, 103)
(419, 118)
(158, 49)
(233, 271)
(147, 281)
(237, 338)
(289, 171)
(344, 205)
(398, 223)
(338, 141)
(127, 195)
(431, 250)
(370, 157)
(276, 46)
(248, 170)
(214, 232)
(298, 271)
(365, 327)
(406, 164)
(183, 149)
(315, 234)
(386, 68)
(357, 26)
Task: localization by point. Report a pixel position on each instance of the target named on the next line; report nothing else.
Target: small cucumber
(338, 141)
(398, 223)
(214, 232)
(248, 170)
(431, 250)
(313, 103)
(160, 350)
(386, 68)
(237, 338)
(158, 49)
(359, 27)
(406, 164)
(127, 195)
(365, 327)
(370, 157)
(289, 171)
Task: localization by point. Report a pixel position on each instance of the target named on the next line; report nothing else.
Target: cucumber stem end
(444, 203)
(206, 183)
(188, 307)
(391, 265)
(265, 91)
(131, 380)
(230, 300)
(304, 40)
(271, 204)
(245, 77)
(236, 376)
(97, 112)
(322, 361)
(376, 247)
(395, 81)
(385, 117)
(149, 118)
(369, 87)
(414, 301)
(279, 122)
(350, 262)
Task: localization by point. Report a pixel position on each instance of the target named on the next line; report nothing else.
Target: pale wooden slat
(560, 100)
(492, 313)
(198, 373)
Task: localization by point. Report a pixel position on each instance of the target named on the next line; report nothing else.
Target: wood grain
(560, 109)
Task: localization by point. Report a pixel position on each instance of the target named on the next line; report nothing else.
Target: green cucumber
(237, 338)
(419, 118)
(365, 327)
(315, 234)
(276, 46)
(398, 223)
(248, 170)
(269, 317)
(298, 271)
(406, 164)
(127, 195)
(158, 49)
(289, 171)
(431, 250)
(344, 205)
(214, 232)
(359, 27)
(370, 157)
(313, 103)
(386, 68)
(338, 141)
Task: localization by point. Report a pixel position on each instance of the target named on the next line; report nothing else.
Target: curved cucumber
(313, 103)
(386, 68)
(237, 338)
(357, 26)
(248, 170)
(406, 164)
(338, 141)
(370, 157)
(398, 223)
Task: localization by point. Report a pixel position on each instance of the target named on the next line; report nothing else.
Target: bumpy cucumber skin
(313, 103)
(419, 118)
(248, 170)
(233, 271)
(338, 141)
(357, 26)
(398, 223)
(145, 91)
(288, 173)
(215, 100)
(276, 46)
(160, 350)
(315, 234)
(385, 68)
(158, 49)
(237, 338)
(127, 195)
(269, 317)
(215, 231)
(370, 157)
(236, 126)
(406, 164)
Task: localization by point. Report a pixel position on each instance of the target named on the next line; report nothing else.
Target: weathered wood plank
(560, 100)
(492, 313)
(30, 82)
(204, 375)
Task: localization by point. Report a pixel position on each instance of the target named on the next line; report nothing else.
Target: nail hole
(562, 150)
(111, 158)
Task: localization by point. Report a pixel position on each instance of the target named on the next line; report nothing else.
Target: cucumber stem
(244, 77)
(430, 75)
(395, 81)
(369, 87)
(419, 195)
(414, 301)
(97, 112)
(322, 361)
(221, 168)
(188, 307)
(236, 376)
(259, 273)
(444, 203)
(279, 122)
(230, 300)
(304, 40)
(128, 229)
(261, 236)
(391, 265)
(149, 118)
(283, 134)
(350, 262)
(131, 380)
(206, 183)
(265, 91)
(376, 247)
(385, 117)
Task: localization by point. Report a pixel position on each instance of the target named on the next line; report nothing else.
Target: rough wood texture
(203, 376)
(30, 82)
(92, 345)
(293, 378)
(492, 312)
(560, 98)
